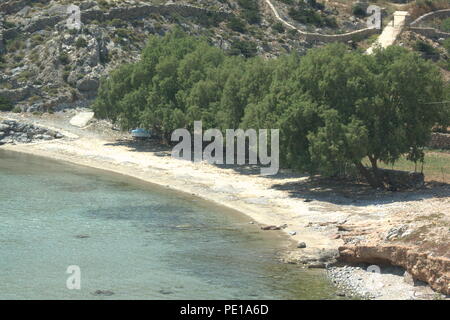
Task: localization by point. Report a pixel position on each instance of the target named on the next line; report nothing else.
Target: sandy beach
(324, 220)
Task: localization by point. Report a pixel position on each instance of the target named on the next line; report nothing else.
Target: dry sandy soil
(335, 219)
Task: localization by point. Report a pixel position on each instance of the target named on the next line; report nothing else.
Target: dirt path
(278, 17)
(390, 32)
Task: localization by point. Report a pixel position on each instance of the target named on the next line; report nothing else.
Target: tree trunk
(376, 172)
(374, 182)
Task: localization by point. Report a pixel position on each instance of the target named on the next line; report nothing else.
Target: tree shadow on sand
(148, 145)
(302, 186)
(357, 193)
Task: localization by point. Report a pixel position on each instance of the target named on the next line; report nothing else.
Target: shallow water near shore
(132, 240)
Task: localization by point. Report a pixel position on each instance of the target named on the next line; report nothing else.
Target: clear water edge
(132, 238)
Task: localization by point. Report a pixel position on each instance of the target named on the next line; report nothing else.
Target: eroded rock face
(422, 266)
(12, 131)
(88, 85)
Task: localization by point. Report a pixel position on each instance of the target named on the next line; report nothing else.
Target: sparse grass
(421, 7)
(436, 166)
(428, 217)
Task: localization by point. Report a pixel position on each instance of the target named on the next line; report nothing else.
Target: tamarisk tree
(337, 109)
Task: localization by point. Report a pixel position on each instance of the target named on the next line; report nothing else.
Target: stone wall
(14, 6)
(318, 37)
(123, 13)
(344, 37)
(439, 14)
(132, 13)
(43, 23)
(439, 141)
(12, 131)
(15, 95)
(430, 32)
(10, 7)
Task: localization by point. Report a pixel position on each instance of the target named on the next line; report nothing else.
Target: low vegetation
(5, 104)
(421, 7)
(436, 166)
(250, 10)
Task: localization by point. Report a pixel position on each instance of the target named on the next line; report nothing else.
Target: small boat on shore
(140, 133)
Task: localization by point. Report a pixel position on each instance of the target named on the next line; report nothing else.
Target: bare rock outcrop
(12, 131)
(421, 265)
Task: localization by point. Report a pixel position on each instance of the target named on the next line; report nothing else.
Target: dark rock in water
(82, 236)
(163, 291)
(103, 293)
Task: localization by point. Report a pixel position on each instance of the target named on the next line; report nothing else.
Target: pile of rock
(402, 179)
(12, 131)
(348, 283)
(440, 141)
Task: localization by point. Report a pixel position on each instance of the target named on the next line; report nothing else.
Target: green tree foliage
(359, 10)
(81, 42)
(179, 79)
(340, 107)
(250, 10)
(447, 45)
(334, 107)
(278, 27)
(237, 24)
(309, 13)
(5, 104)
(445, 25)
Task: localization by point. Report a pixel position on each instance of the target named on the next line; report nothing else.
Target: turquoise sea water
(131, 240)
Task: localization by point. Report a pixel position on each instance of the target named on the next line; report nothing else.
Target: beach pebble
(103, 293)
(163, 291)
(408, 278)
(270, 228)
(301, 245)
(81, 236)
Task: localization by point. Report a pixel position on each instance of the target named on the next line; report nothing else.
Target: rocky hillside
(48, 62)
(47, 66)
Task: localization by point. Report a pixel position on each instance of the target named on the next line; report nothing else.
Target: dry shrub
(421, 7)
